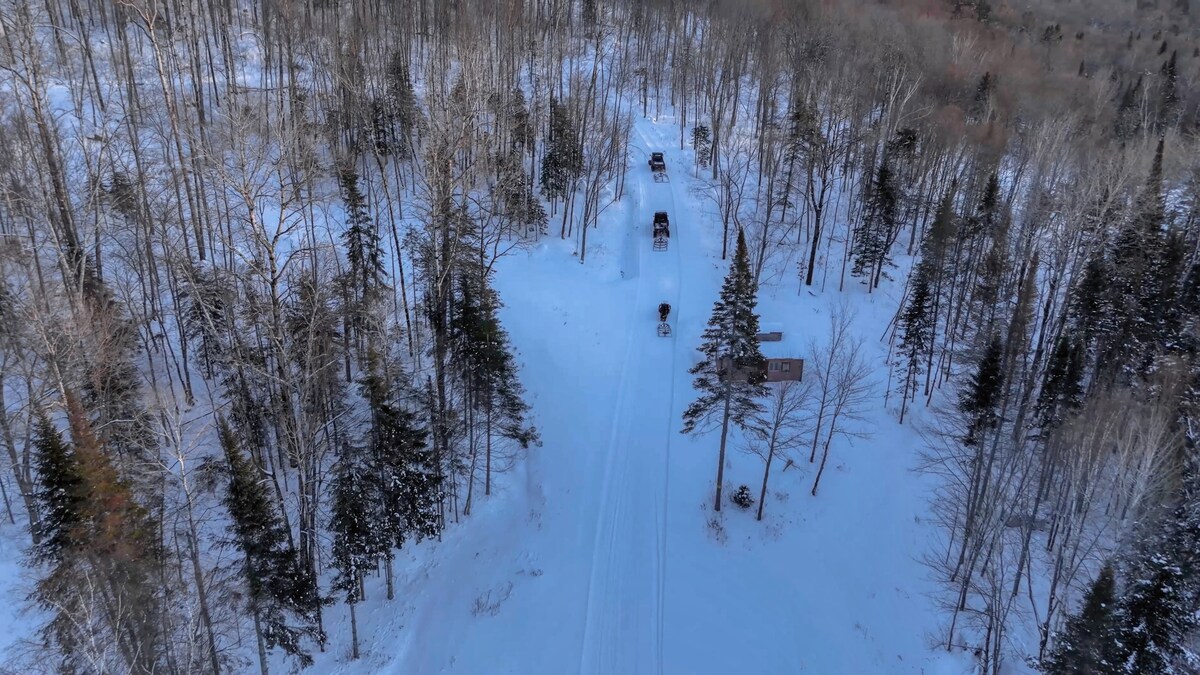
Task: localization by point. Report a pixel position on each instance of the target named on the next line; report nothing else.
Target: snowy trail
(624, 612)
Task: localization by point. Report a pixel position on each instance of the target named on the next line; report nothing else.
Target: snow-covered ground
(600, 552)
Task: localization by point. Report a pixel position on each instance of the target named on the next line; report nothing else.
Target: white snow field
(599, 553)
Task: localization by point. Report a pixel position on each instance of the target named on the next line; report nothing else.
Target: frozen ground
(600, 553)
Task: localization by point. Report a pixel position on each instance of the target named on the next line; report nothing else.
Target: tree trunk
(724, 436)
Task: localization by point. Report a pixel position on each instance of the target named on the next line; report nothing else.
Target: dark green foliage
(359, 542)
(1158, 610)
(1090, 311)
(1086, 644)
(1168, 97)
(100, 554)
(520, 205)
(730, 343)
(60, 492)
(983, 96)
(1128, 119)
(1138, 279)
(980, 400)
(484, 356)
(564, 156)
(702, 144)
(742, 497)
(402, 102)
(281, 592)
(406, 476)
(879, 228)
(364, 251)
(916, 332)
(1062, 390)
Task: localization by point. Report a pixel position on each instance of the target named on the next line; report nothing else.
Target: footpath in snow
(597, 554)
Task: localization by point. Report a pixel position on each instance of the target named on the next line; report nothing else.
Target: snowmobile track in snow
(624, 608)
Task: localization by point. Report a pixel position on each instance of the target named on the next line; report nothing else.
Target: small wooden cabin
(782, 366)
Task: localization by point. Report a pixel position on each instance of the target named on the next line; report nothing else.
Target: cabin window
(774, 366)
(787, 367)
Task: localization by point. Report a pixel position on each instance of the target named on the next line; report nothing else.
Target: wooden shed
(782, 364)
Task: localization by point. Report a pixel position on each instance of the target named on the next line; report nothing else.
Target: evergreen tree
(1062, 389)
(1158, 610)
(405, 469)
(283, 597)
(702, 144)
(402, 99)
(101, 553)
(1168, 98)
(981, 398)
(520, 205)
(879, 228)
(730, 379)
(1133, 282)
(1090, 311)
(358, 541)
(1128, 119)
(1086, 645)
(486, 364)
(916, 333)
(59, 494)
(364, 250)
(564, 158)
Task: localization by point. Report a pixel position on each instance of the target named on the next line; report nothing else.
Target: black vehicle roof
(656, 154)
(662, 214)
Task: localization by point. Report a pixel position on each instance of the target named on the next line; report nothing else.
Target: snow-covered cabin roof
(781, 348)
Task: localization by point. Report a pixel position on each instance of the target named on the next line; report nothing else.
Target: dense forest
(250, 345)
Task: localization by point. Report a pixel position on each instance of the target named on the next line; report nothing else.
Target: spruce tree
(916, 333)
(101, 556)
(1062, 389)
(1087, 643)
(980, 400)
(283, 597)
(1158, 610)
(564, 158)
(702, 144)
(404, 468)
(879, 228)
(1168, 98)
(358, 541)
(730, 379)
(364, 250)
(59, 493)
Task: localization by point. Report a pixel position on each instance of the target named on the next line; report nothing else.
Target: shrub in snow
(742, 497)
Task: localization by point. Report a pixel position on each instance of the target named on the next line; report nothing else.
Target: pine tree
(564, 158)
(1158, 610)
(283, 598)
(1128, 119)
(1168, 98)
(981, 398)
(1132, 285)
(402, 99)
(358, 541)
(916, 336)
(485, 362)
(1062, 389)
(364, 251)
(102, 555)
(405, 469)
(879, 228)
(730, 379)
(702, 144)
(60, 492)
(1087, 643)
